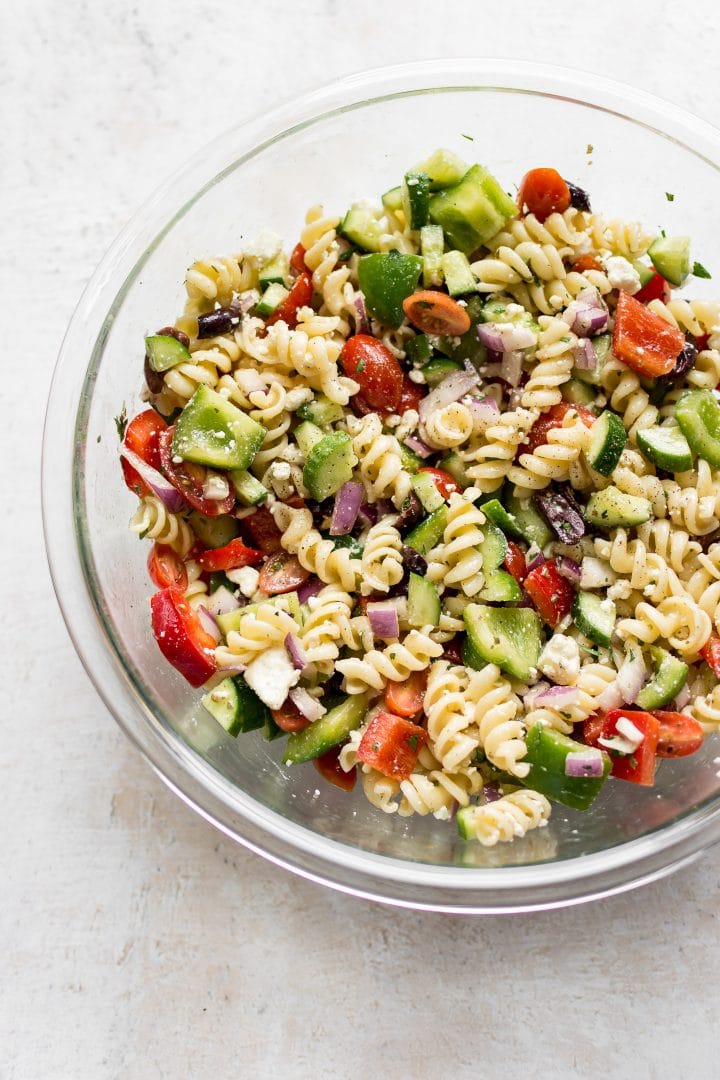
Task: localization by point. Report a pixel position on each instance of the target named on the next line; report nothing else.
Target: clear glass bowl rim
(420, 886)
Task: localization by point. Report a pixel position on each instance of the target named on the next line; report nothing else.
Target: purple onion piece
(383, 620)
(363, 323)
(309, 706)
(505, 337)
(419, 447)
(579, 198)
(452, 388)
(584, 763)
(584, 355)
(631, 677)
(222, 601)
(490, 338)
(348, 500)
(208, 623)
(537, 560)
(569, 569)
(682, 698)
(170, 497)
(491, 793)
(309, 588)
(557, 697)
(296, 652)
(483, 410)
(562, 516)
(511, 368)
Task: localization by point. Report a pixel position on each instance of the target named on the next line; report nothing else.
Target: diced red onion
(363, 323)
(569, 569)
(557, 697)
(369, 512)
(584, 355)
(208, 623)
(243, 304)
(222, 601)
(586, 314)
(236, 668)
(383, 620)
(584, 762)
(452, 388)
(309, 588)
(627, 730)
(309, 706)
(296, 652)
(170, 497)
(505, 337)
(419, 447)
(348, 500)
(682, 698)
(491, 793)
(511, 368)
(536, 561)
(489, 336)
(626, 687)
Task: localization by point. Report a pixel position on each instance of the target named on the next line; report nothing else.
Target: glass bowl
(351, 139)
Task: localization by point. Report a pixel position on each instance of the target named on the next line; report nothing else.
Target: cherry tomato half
(289, 718)
(406, 698)
(328, 765)
(410, 396)
(297, 259)
(543, 192)
(189, 480)
(585, 263)
(514, 561)
(435, 312)
(165, 567)
(378, 372)
(263, 531)
(679, 735)
(282, 573)
(143, 437)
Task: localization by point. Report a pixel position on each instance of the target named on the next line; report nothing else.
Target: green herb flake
(669, 196)
(360, 368)
(468, 137)
(700, 271)
(412, 741)
(121, 422)
(589, 148)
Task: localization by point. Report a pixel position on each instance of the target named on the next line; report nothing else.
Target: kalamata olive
(410, 512)
(153, 379)
(172, 331)
(217, 322)
(684, 362)
(579, 199)
(413, 561)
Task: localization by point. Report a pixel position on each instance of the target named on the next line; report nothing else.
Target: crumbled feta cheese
(297, 397)
(596, 573)
(279, 476)
(216, 487)
(245, 577)
(622, 274)
(265, 246)
(416, 376)
(271, 675)
(560, 660)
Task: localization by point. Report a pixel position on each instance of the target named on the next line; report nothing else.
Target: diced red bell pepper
(181, 637)
(638, 767)
(289, 718)
(679, 735)
(230, 557)
(514, 561)
(391, 745)
(328, 765)
(710, 653)
(657, 288)
(643, 340)
(299, 296)
(550, 592)
(297, 259)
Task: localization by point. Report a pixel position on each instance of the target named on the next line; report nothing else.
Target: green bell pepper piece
(386, 279)
(547, 752)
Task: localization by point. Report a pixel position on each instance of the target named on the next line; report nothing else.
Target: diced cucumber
(361, 228)
(411, 461)
(321, 411)
(386, 279)
(508, 637)
(330, 730)
(212, 431)
(432, 245)
(468, 346)
(236, 707)
(230, 620)
(611, 508)
(392, 199)
(670, 256)
(307, 435)
(214, 532)
(594, 616)
(271, 300)
(329, 465)
(666, 447)
(603, 350)
(494, 511)
(219, 580)
(493, 547)
(423, 606)
(427, 492)
(472, 210)
(416, 199)
(291, 603)
(165, 352)
(607, 442)
(454, 464)
(500, 588)
(444, 169)
(532, 524)
(248, 489)
(578, 393)
(645, 273)
(418, 349)
(276, 272)
(459, 278)
(698, 414)
(547, 752)
(438, 369)
(428, 533)
(668, 680)
(498, 310)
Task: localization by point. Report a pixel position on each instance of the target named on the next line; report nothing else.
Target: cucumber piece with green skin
(669, 677)
(386, 279)
(214, 532)
(212, 431)
(698, 414)
(428, 533)
(594, 616)
(411, 461)
(532, 525)
(164, 352)
(426, 490)
(271, 300)
(276, 272)
(470, 656)
(432, 245)
(666, 447)
(611, 508)
(670, 255)
(468, 346)
(501, 311)
(494, 511)
(392, 199)
(500, 588)
(289, 602)
(508, 637)
(307, 435)
(329, 465)
(236, 707)
(416, 199)
(418, 349)
(321, 411)
(452, 463)
(361, 228)
(603, 351)
(330, 730)
(459, 278)
(423, 606)
(493, 547)
(607, 442)
(473, 210)
(444, 169)
(547, 752)
(578, 393)
(249, 490)
(645, 273)
(438, 369)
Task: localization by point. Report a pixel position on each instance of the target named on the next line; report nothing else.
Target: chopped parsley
(121, 422)
(700, 271)
(468, 137)
(669, 196)
(360, 368)
(412, 741)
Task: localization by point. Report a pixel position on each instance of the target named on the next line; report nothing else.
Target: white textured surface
(137, 941)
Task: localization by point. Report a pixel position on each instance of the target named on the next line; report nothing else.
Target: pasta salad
(436, 497)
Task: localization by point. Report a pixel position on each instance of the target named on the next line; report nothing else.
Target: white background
(135, 940)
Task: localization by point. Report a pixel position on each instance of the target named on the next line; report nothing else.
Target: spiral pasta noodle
(552, 460)
(496, 709)
(265, 626)
(457, 563)
(490, 459)
(393, 664)
(448, 426)
(554, 364)
(381, 563)
(454, 736)
(333, 565)
(378, 454)
(509, 817)
(153, 519)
